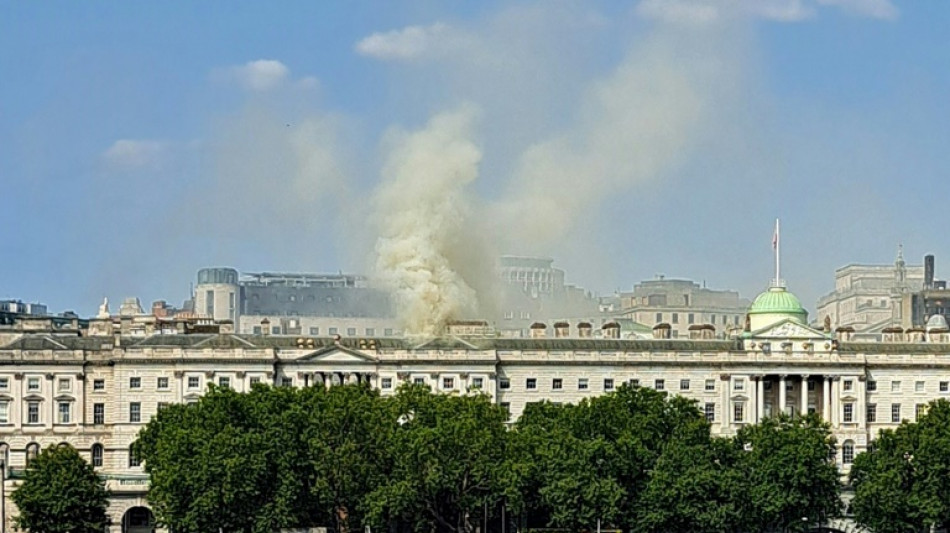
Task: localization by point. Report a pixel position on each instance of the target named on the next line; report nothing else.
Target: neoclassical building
(95, 388)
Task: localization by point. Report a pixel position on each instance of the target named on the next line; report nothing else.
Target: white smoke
(422, 208)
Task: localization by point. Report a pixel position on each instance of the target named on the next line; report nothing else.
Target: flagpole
(778, 255)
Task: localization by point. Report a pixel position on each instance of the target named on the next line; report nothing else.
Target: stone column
(781, 393)
(804, 398)
(826, 398)
(759, 398)
(835, 401)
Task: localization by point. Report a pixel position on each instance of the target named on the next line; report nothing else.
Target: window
(919, 411)
(4, 383)
(351, 332)
(32, 450)
(766, 385)
(194, 382)
(386, 383)
(224, 381)
(608, 384)
(64, 384)
(684, 384)
(659, 384)
(738, 412)
(848, 412)
(33, 412)
(419, 381)
(872, 412)
(135, 383)
(64, 412)
(257, 330)
(872, 386)
(161, 405)
(690, 318)
(370, 332)
(314, 331)
(388, 332)
(557, 384)
(96, 455)
(477, 383)
(333, 331)
(710, 409)
(162, 383)
(848, 385)
(531, 383)
(710, 384)
(4, 412)
(133, 459)
(676, 318)
(448, 383)
(847, 452)
(98, 413)
(135, 412)
(895, 386)
(659, 318)
(919, 386)
(582, 384)
(738, 384)
(712, 319)
(507, 407)
(286, 382)
(895, 412)
(275, 330)
(504, 383)
(254, 380)
(945, 386)
(811, 385)
(33, 384)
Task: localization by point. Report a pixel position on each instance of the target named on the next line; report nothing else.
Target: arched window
(133, 459)
(32, 450)
(96, 455)
(847, 452)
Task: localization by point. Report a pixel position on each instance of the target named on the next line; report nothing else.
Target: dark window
(98, 413)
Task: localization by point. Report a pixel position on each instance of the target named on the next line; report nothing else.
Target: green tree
(901, 483)
(61, 493)
(447, 466)
(788, 480)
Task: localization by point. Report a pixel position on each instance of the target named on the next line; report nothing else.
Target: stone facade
(95, 391)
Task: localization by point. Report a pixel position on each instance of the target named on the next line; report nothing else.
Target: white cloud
(133, 154)
(708, 11)
(881, 9)
(259, 75)
(411, 42)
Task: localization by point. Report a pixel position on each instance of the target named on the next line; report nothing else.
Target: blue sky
(142, 141)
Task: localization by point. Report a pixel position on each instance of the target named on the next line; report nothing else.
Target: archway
(138, 520)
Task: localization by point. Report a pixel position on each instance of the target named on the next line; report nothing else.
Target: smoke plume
(422, 208)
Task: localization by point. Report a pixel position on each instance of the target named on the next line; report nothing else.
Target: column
(860, 411)
(726, 411)
(781, 394)
(759, 398)
(804, 398)
(826, 398)
(835, 401)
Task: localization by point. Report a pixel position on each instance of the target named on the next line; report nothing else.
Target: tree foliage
(61, 493)
(902, 483)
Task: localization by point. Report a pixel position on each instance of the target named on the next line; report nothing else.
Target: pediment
(788, 329)
(337, 354)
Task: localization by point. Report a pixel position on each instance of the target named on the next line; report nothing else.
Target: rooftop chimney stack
(928, 271)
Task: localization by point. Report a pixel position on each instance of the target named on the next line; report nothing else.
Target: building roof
(777, 300)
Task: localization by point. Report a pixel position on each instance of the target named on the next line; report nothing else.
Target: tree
(447, 454)
(786, 473)
(901, 483)
(61, 493)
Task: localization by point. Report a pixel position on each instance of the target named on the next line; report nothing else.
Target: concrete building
(95, 387)
(682, 304)
(294, 303)
(872, 298)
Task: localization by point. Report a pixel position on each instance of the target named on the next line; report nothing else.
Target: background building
(683, 303)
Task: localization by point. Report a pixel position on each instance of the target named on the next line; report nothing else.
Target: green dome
(776, 301)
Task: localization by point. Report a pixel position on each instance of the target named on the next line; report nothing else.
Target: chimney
(928, 271)
(538, 330)
(843, 334)
(584, 330)
(611, 330)
(265, 326)
(562, 330)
